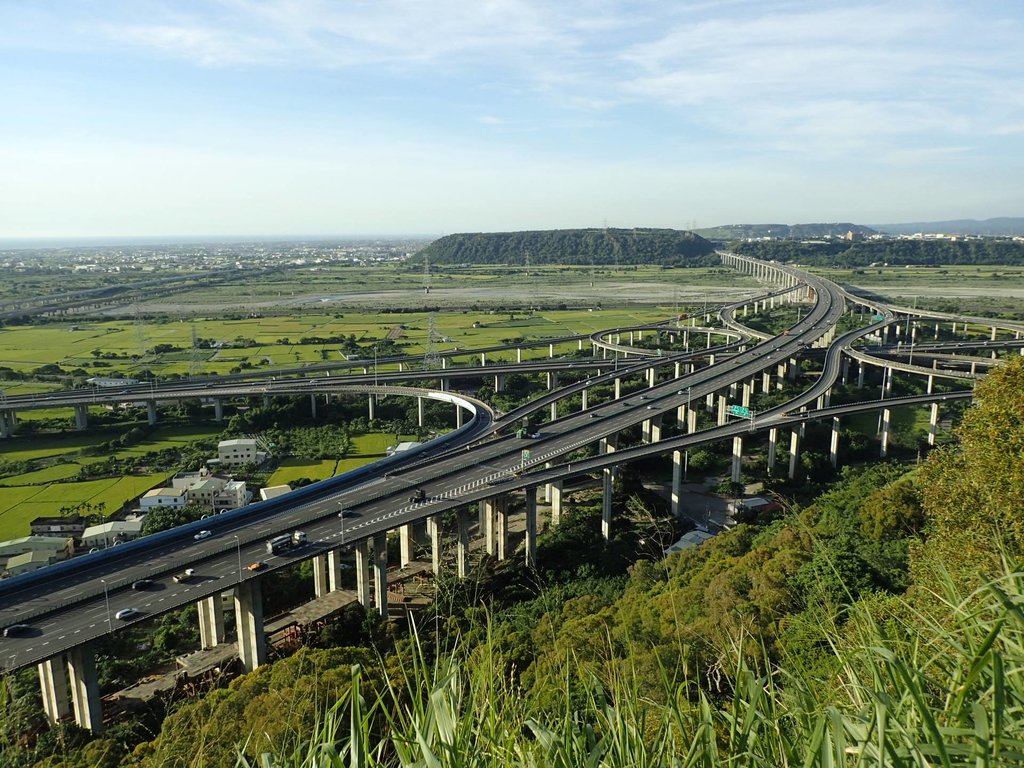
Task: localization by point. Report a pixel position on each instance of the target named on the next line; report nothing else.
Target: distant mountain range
(1001, 227)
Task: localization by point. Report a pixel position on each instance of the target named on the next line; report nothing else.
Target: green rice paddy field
(24, 348)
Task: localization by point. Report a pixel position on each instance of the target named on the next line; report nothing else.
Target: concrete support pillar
(551, 350)
(211, 621)
(678, 469)
(723, 411)
(151, 412)
(519, 354)
(53, 681)
(585, 404)
(607, 477)
(618, 387)
(766, 380)
(745, 400)
(554, 410)
(252, 643)
(363, 573)
(501, 526)
(931, 384)
(655, 429)
(372, 407)
(499, 382)
(555, 493)
(419, 411)
(81, 417)
(773, 443)
(380, 572)
(993, 336)
(780, 376)
(405, 544)
(85, 688)
(794, 452)
(462, 543)
(218, 409)
(485, 516)
(884, 450)
(737, 458)
(846, 370)
(312, 405)
(833, 451)
(552, 379)
(320, 587)
(531, 526)
(483, 358)
(860, 375)
(933, 423)
(652, 377)
(434, 532)
(458, 416)
(887, 375)
(334, 570)
(5, 424)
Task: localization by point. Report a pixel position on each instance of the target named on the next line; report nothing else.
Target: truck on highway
(419, 497)
(184, 576)
(286, 542)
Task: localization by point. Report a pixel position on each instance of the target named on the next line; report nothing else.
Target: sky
(350, 117)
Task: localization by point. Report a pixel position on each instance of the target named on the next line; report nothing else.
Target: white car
(126, 613)
(203, 535)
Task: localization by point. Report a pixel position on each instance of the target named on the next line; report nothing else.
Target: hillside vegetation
(865, 253)
(669, 247)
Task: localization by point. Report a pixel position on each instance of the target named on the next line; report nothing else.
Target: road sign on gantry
(739, 410)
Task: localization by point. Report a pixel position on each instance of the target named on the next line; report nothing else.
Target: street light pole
(238, 549)
(106, 600)
(375, 365)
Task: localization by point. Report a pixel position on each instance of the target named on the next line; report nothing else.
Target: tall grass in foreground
(948, 692)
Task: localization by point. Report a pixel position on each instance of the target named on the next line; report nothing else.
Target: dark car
(16, 630)
(142, 584)
(348, 513)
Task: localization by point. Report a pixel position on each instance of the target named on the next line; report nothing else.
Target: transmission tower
(140, 325)
(431, 359)
(193, 363)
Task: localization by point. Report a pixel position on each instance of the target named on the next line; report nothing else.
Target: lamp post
(238, 550)
(106, 601)
(375, 365)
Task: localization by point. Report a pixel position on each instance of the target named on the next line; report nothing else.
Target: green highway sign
(739, 410)
(526, 455)
(878, 318)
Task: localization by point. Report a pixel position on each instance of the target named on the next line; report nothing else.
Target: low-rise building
(59, 527)
(239, 451)
(160, 498)
(110, 533)
(27, 562)
(273, 491)
(218, 494)
(401, 447)
(689, 540)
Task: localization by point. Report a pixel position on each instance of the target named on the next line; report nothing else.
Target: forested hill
(866, 253)
(573, 246)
